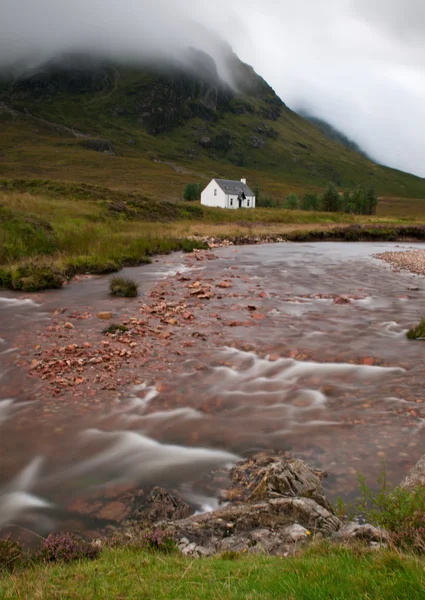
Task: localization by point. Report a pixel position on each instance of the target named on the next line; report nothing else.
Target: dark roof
(234, 187)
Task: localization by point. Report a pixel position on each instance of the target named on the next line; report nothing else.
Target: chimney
(243, 180)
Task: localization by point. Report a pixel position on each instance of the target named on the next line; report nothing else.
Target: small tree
(358, 200)
(309, 202)
(330, 200)
(345, 201)
(370, 201)
(291, 202)
(257, 193)
(193, 191)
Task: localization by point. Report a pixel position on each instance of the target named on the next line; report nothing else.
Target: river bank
(412, 260)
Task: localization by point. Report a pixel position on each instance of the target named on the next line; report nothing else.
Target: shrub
(310, 202)
(10, 552)
(65, 547)
(330, 200)
(158, 539)
(291, 202)
(418, 332)
(123, 286)
(193, 191)
(399, 511)
(266, 202)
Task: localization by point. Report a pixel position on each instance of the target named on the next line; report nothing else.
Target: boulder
(265, 477)
(416, 477)
(354, 531)
(158, 505)
(272, 526)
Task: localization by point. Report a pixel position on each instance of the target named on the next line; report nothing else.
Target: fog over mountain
(358, 64)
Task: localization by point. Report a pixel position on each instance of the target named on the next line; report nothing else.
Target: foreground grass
(322, 573)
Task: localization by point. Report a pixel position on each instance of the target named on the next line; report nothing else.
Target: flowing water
(336, 384)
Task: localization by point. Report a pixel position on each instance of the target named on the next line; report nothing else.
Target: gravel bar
(411, 260)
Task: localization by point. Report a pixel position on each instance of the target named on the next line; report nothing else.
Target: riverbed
(297, 348)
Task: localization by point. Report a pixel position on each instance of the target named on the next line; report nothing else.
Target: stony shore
(411, 260)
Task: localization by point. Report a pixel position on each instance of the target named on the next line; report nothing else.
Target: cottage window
(215, 192)
(231, 201)
(247, 203)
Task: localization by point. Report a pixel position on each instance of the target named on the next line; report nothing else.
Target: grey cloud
(357, 63)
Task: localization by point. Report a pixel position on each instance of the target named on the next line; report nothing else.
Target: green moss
(115, 328)
(418, 332)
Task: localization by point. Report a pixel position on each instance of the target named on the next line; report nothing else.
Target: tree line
(362, 201)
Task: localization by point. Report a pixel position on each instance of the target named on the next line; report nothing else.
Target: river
(332, 381)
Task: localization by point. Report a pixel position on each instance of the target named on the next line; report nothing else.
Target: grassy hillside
(153, 129)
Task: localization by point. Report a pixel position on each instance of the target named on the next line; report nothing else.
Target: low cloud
(357, 63)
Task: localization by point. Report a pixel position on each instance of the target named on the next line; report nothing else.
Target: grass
(321, 573)
(52, 230)
(123, 286)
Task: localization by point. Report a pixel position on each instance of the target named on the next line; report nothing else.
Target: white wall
(213, 195)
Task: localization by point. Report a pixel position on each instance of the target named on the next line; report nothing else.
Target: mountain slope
(333, 133)
(156, 126)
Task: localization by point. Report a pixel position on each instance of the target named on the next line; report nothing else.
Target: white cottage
(225, 193)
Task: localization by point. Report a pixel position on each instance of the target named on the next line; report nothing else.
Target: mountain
(333, 133)
(155, 125)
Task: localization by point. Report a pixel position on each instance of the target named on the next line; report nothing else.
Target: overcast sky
(359, 64)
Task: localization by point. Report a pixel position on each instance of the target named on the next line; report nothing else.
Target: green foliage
(114, 328)
(123, 286)
(31, 275)
(399, 511)
(418, 332)
(11, 552)
(310, 202)
(266, 202)
(330, 200)
(370, 201)
(193, 191)
(291, 202)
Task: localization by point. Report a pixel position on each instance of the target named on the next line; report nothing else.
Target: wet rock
(104, 315)
(266, 477)
(355, 531)
(416, 477)
(158, 505)
(276, 503)
(274, 516)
